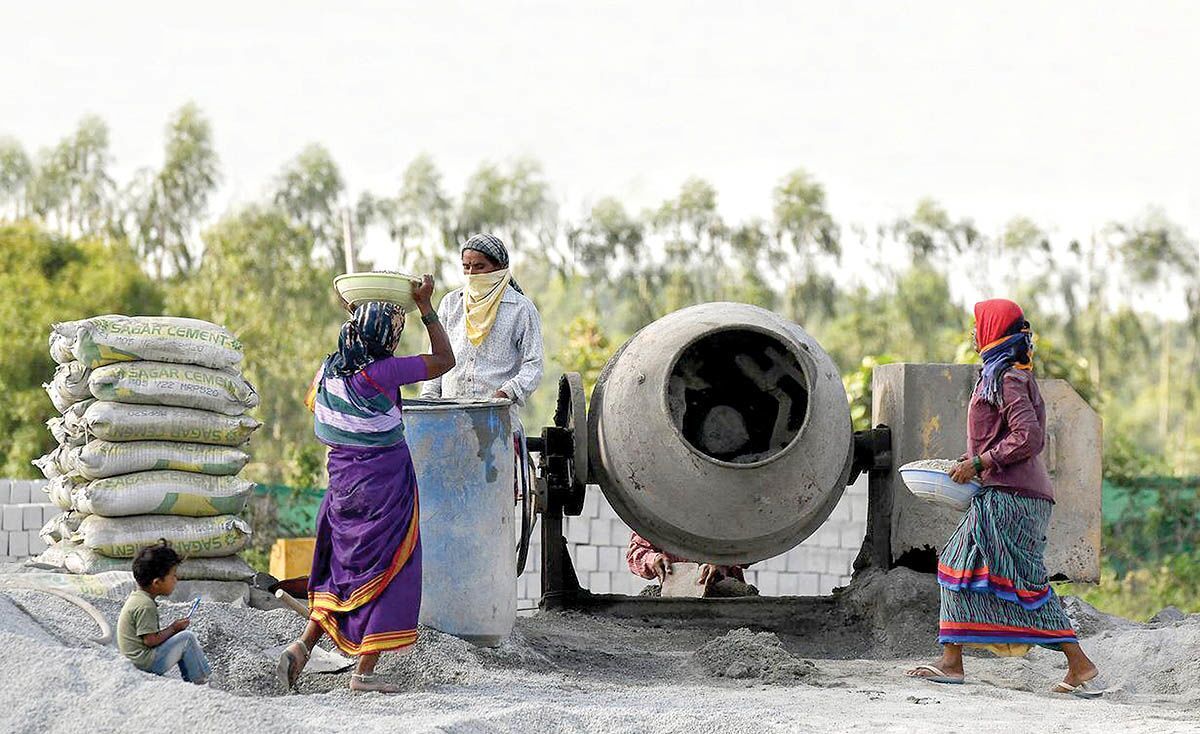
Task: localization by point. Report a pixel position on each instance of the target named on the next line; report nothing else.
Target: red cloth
(994, 318)
(1012, 436)
(642, 554)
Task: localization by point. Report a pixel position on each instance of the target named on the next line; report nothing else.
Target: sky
(1071, 113)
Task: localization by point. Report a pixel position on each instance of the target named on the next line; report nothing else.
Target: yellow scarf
(481, 298)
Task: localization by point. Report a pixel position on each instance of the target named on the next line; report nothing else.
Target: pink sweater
(641, 556)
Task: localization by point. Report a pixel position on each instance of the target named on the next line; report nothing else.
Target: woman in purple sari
(364, 590)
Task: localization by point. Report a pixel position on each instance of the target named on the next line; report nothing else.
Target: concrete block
(778, 563)
(808, 584)
(789, 584)
(5, 492)
(600, 582)
(50, 512)
(815, 560)
(3, 542)
(926, 407)
(18, 544)
(586, 558)
(11, 517)
(619, 535)
(591, 504)
(31, 517)
(606, 510)
(577, 530)
(599, 531)
(20, 492)
(827, 584)
(768, 583)
(610, 559)
(36, 544)
(852, 536)
(795, 560)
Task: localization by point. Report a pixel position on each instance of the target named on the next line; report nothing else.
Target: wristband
(977, 462)
(430, 318)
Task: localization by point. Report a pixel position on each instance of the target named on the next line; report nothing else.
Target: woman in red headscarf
(995, 590)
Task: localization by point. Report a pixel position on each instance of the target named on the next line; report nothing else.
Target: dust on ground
(574, 672)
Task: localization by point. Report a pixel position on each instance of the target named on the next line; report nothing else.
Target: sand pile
(744, 654)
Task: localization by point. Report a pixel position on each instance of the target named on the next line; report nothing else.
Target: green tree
(71, 185)
(419, 218)
(57, 279)
(174, 201)
(308, 191)
(15, 172)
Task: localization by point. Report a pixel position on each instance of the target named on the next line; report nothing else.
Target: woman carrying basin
(995, 590)
(365, 586)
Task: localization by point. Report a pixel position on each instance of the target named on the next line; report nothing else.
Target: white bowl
(384, 286)
(937, 487)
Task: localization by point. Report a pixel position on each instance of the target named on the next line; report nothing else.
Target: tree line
(75, 242)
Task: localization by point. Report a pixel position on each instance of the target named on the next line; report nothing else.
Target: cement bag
(56, 463)
(123, 422)
(80, 559)
(185, 386)
(100, 459)
(68, 429)
(69, 386)
(163, 493)
(107, 339)
(115, 585)
(62, 338)
(60, 489)
(54, 558)
(203, 537)
(60, 527)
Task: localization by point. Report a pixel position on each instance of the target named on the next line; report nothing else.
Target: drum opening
(738, 396)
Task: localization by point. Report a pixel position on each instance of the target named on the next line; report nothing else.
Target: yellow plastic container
(292, 557)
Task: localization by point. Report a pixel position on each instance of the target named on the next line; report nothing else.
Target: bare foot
(1081, 675)
(371, 682)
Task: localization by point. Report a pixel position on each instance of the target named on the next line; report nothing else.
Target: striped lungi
(995, 589)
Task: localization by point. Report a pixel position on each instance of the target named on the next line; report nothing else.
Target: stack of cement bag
(152, 418)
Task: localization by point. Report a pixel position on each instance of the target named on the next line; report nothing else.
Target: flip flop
(1080, 691)
(939, 675)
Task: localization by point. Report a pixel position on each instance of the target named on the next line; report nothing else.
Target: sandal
(369, 682)
(938, 675)
(290, 664)
(1083, 690)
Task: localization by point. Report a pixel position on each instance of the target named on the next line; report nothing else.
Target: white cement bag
(56, 463)
(60, 527)
(107, 339)
(69, 386)
(54, 558)
(202, 537)
(163, 383)
(163, 493)
(59, 489)
(80, 559)
(123, 422)
(100, 459)
(62, 338)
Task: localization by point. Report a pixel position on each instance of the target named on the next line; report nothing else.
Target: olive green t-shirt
(138, 617)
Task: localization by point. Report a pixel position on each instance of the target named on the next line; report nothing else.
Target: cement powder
(745, 654)
(567, 672)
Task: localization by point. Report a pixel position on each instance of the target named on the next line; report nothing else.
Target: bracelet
(430, 318)
(977, 462)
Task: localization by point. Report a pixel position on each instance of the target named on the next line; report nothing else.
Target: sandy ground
(576, 673)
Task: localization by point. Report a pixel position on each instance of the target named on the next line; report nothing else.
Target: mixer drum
(721, 433)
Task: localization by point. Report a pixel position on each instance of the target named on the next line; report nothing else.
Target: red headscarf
(994, 320)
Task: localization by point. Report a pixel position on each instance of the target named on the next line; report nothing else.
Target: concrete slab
(926, 407)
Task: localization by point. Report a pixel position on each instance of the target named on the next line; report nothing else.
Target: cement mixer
(720, 432)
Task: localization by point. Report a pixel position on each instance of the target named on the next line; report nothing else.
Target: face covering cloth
(482, 301)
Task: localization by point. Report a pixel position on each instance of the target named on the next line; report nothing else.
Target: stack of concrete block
(598, 539)
(22, 515)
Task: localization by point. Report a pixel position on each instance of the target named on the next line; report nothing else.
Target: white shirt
(509, 358)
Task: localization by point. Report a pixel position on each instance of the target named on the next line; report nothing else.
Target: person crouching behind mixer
(364, 590)
(651, 563)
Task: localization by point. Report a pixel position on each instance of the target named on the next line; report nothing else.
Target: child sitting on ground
(139, 637)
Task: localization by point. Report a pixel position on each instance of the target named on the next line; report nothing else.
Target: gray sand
(571, 672)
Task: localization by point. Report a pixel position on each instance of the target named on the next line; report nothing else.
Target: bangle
(430, 318)
(978, 464)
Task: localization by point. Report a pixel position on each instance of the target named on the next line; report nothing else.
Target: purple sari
(365, 586)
